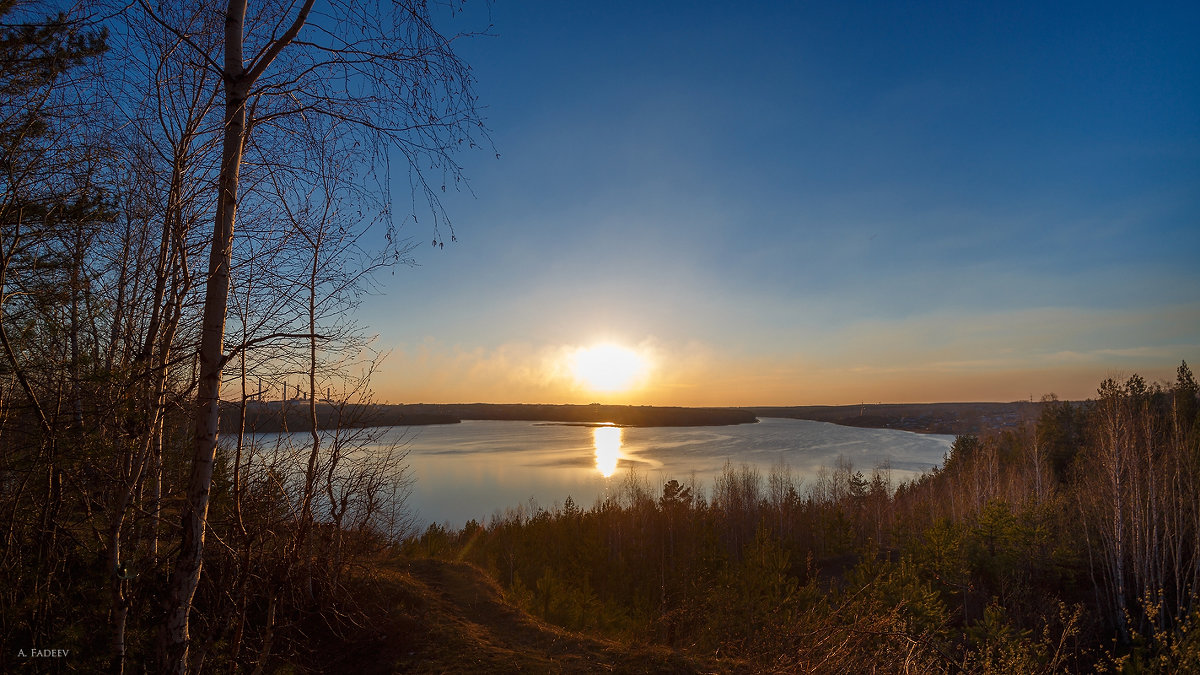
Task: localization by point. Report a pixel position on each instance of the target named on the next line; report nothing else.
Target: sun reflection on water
(608, 449)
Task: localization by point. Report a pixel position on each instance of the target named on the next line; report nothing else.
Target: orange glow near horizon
(694, 374)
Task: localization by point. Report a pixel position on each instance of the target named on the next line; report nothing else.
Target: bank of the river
(294, 415)
(926, 418)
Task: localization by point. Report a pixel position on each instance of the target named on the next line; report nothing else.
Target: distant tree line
(934, 418)
(186, 196)
(625, 415)
(1070, 544)
(292, 415)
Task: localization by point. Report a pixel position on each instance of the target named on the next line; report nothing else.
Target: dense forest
(1066, 545)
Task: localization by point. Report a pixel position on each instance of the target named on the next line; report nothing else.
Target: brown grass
(432, 616)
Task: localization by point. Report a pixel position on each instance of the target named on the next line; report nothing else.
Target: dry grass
(432, 616)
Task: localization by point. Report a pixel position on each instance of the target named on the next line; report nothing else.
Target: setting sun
(607, 367)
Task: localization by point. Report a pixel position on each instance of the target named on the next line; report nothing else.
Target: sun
(607, 367)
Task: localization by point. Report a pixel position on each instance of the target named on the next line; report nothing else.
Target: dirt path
(434, 616)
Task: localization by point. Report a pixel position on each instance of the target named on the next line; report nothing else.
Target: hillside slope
(432, 616)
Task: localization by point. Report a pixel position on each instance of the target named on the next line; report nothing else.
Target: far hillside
(295, 415)
(930, 418)
(936, 418)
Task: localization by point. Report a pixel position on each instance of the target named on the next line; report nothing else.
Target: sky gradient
(814, 203)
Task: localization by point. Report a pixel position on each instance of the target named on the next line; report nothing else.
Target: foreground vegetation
(193, 198)
(1069, 545)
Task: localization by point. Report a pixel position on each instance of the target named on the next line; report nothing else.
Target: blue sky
(794, 203)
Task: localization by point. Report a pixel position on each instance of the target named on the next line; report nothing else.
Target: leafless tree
(386, 72)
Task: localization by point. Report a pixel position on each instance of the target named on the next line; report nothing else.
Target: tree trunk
(186, 575)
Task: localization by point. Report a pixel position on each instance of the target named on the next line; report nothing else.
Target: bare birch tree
(383, 68)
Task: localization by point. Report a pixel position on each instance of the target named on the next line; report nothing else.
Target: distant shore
(934, 418)
(926, 418)
(294, 415)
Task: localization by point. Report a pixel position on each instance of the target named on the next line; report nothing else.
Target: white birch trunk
(237, 81)
(186, 575)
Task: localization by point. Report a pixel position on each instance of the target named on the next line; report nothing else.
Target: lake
(473, 469)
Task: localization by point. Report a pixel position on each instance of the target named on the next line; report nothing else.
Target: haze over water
(476, 468)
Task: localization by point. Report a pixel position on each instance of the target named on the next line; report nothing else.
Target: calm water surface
(472, 469)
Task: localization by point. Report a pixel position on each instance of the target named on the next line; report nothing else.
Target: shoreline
(924, 418)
